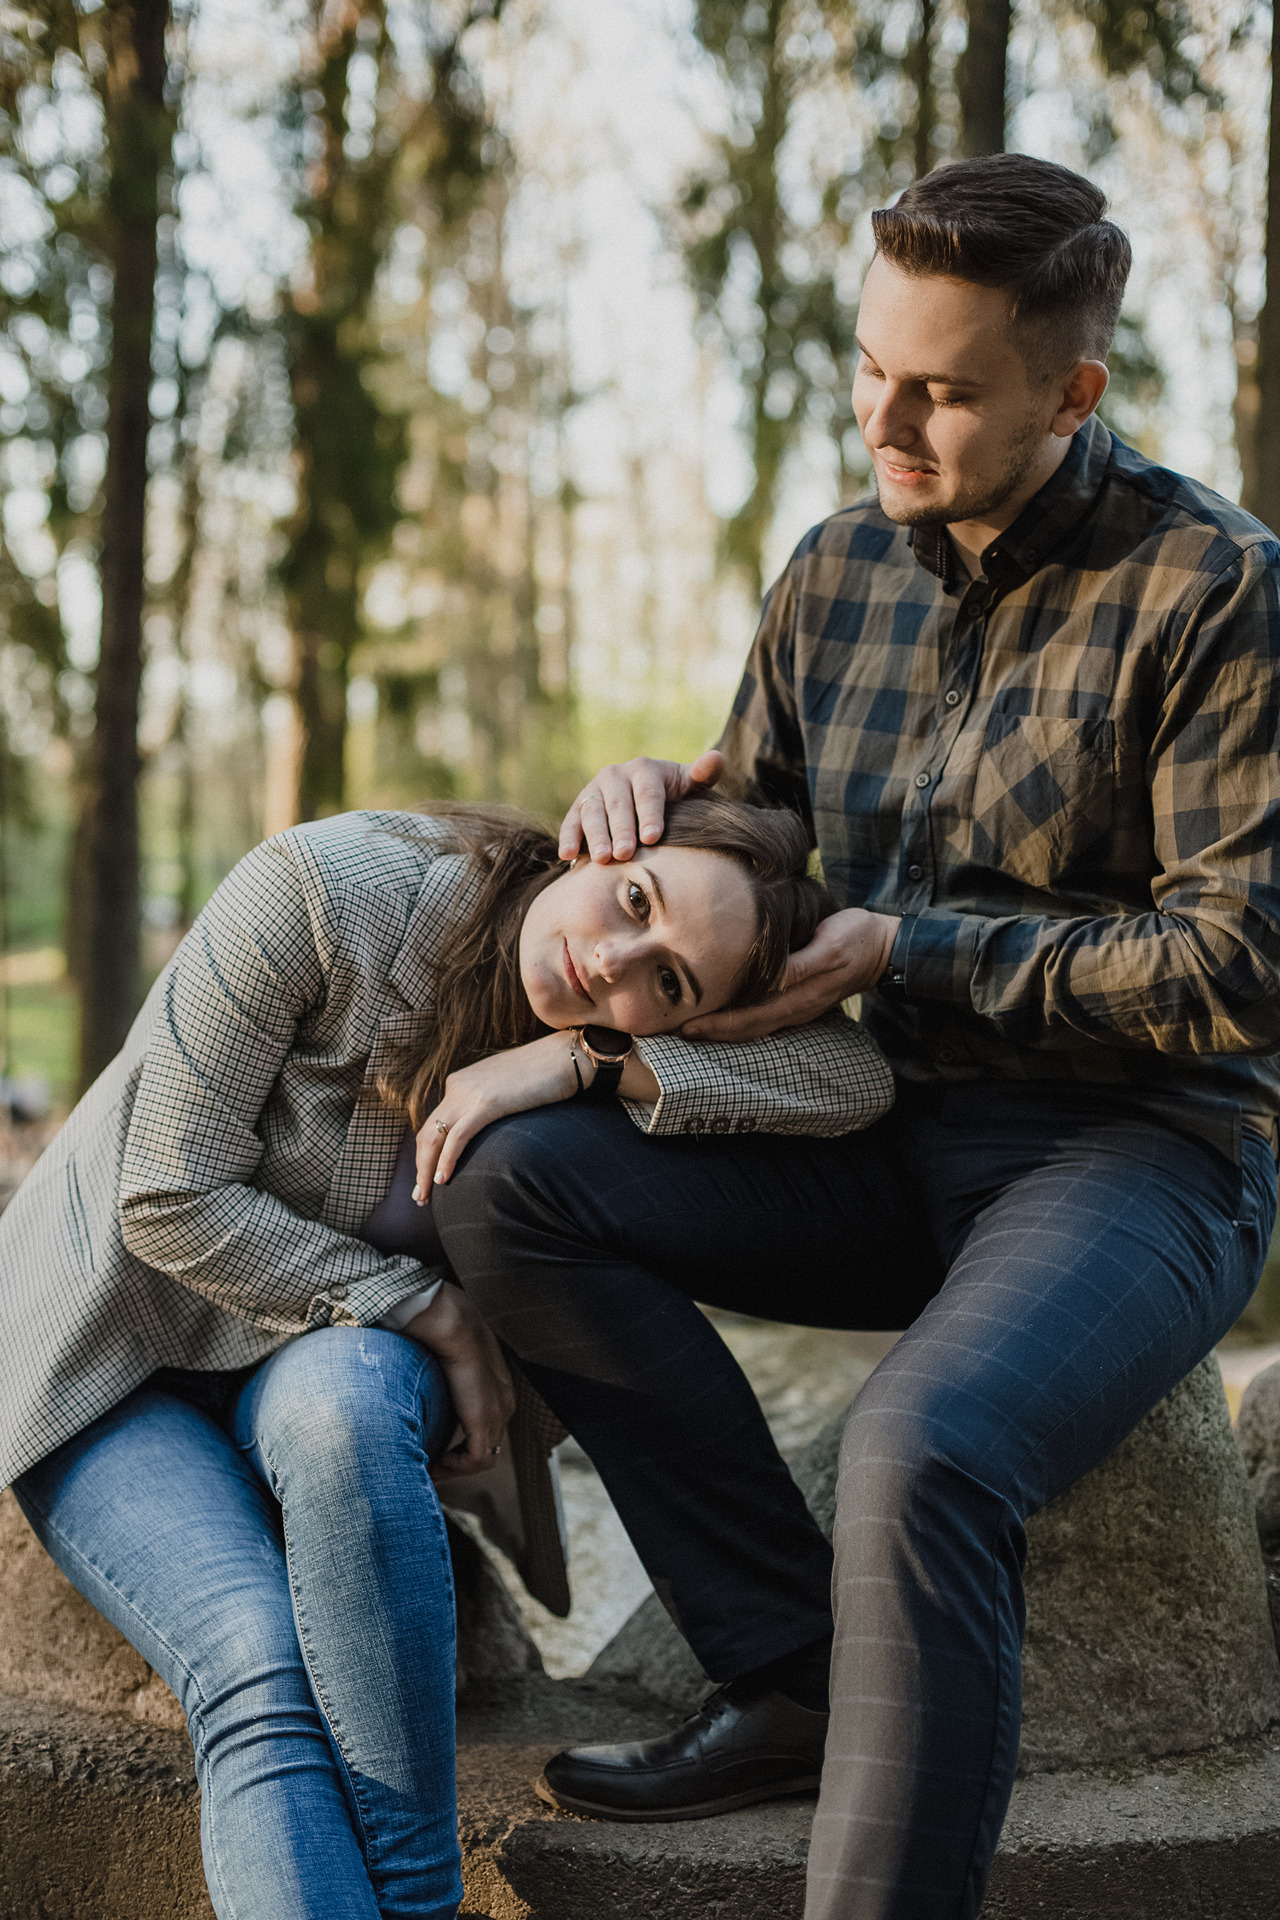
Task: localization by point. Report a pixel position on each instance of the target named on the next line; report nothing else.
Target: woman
(255, 1511)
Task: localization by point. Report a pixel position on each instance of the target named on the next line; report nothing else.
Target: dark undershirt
(397, 1224)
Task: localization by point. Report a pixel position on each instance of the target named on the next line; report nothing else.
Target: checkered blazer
(201, 1205)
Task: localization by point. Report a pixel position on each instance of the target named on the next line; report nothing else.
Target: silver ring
(442, 1126)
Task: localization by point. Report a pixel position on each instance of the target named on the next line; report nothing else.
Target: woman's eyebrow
(689, 973)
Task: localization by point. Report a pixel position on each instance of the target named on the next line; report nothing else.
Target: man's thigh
(817, 1232)
(1094, 1259)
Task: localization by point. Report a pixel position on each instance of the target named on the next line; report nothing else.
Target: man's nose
(891, 422)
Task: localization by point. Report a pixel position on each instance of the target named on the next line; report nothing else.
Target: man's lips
(574, 978)
(907, 476)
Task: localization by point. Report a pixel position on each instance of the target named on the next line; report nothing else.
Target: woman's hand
(536, 1075)
(479, 1384)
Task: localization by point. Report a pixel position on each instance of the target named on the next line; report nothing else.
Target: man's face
(954, 424)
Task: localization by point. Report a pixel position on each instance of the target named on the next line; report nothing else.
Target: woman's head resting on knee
(705, 919)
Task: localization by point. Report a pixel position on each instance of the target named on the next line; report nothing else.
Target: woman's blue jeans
(275, 1549)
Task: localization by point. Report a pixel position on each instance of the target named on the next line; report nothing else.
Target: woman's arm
(823, 1079)
(248, 973)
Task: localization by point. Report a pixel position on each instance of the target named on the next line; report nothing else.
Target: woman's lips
(574, 978)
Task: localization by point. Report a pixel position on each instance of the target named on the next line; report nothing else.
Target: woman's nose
(614, 954)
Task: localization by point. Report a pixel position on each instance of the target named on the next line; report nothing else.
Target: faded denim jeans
(273, 1546)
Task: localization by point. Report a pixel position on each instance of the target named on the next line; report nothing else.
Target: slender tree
(743, 232)
(375, 144)
(982, 78)
(139, 124)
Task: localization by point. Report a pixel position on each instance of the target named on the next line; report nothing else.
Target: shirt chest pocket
(1042, 797)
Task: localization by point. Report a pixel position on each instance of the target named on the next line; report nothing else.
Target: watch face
(607, 1040)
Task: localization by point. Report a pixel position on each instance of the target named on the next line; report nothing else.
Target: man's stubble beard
(976, 503)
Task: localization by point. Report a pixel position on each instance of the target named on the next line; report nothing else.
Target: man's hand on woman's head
(625, 806)
(847, 955)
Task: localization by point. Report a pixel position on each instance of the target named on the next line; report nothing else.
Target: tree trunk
(139, 134)
(1262, 494)
(981, 78)
(920, 65)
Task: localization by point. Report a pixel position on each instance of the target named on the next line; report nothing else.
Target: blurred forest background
(406, 398)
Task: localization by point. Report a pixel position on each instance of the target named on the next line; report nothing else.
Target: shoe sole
(776, 1790)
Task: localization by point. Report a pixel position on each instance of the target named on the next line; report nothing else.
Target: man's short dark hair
(1036, 230)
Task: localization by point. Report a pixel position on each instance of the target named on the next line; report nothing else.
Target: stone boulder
(1258, 1431)
(1148, 1630)
(1147, 1624)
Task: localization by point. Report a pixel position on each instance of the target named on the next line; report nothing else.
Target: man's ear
(1082, 389)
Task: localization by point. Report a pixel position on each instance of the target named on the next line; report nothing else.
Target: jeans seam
(414, 1416)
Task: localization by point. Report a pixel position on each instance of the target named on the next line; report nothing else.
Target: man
(1028, 701)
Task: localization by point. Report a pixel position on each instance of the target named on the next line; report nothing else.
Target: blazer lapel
(406, 993)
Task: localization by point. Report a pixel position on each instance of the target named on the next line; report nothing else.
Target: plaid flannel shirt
(1063, 774)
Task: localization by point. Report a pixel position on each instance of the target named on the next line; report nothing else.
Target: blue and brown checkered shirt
(1064, 774)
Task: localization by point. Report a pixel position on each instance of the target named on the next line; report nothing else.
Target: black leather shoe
(738, 1748)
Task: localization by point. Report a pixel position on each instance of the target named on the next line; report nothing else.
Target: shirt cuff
(933, 955)
(397, 1318)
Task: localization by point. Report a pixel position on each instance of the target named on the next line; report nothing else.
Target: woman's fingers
(460, 1132)
(432, 1135)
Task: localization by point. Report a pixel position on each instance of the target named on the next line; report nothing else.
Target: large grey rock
(1148, 1630)
(1258, 1431)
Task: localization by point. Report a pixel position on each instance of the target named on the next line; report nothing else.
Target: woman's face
(640, 945)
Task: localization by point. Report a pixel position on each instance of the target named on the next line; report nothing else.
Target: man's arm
(1200, 971)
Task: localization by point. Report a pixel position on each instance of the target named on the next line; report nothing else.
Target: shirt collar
(1044, 523)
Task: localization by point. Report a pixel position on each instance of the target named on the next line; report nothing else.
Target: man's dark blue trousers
(1060, 1260)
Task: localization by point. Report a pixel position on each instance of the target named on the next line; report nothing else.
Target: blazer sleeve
(823, 1079)
(247, 974)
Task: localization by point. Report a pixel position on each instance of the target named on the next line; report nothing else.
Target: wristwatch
(609, 1052)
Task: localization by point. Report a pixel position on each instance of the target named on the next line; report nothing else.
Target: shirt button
(915, 873)
(953, 698)
(922, 779)
(946, 1055)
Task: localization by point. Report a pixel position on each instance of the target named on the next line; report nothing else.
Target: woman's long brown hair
(480, 1003)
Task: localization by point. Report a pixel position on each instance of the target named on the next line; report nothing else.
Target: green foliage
(763, 254)
(1136, 387)
(357, 180)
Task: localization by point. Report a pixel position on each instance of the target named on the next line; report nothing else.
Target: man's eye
(670, 983)
(638, 901)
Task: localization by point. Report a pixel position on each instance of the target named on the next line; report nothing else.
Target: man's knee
(907, 1468)
(525, 1180)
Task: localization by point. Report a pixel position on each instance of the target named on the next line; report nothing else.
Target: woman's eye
(670, 983)
(638, 901)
